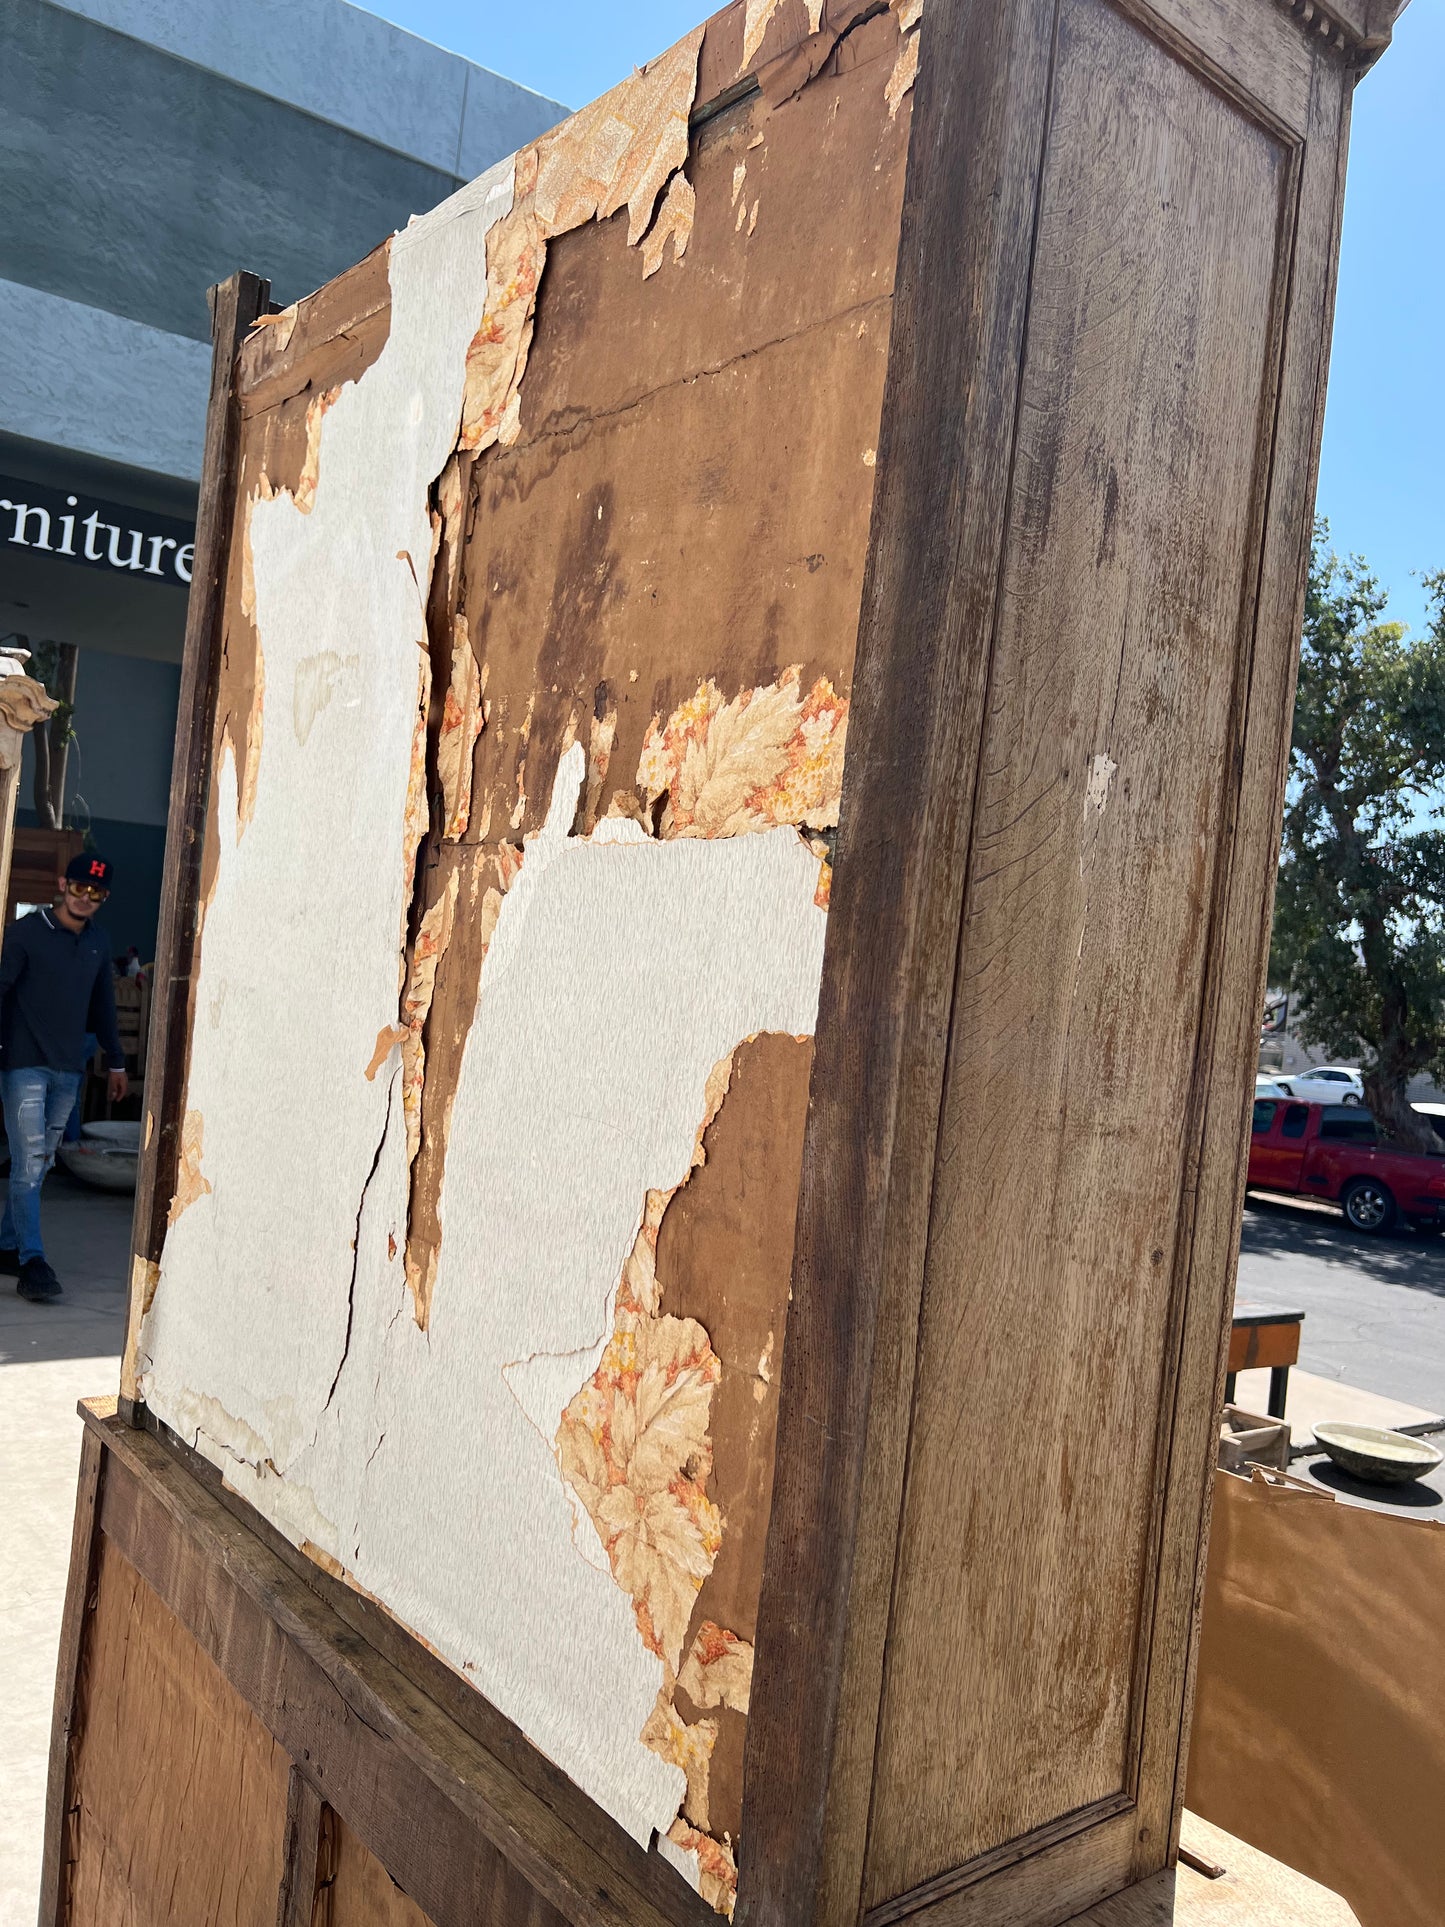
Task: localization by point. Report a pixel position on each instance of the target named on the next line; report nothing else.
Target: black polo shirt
(55, 985)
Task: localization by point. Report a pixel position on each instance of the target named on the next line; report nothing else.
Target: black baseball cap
(89, 868)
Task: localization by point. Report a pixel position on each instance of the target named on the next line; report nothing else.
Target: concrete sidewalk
(1313, 1400)
(50, 1355)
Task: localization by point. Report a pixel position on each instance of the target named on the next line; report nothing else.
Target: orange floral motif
(719, 1669)
(633, 1445)
(192, 1184)
(638, 1291)
(674, 223)
(757, 17)
(772, 755)
(508, 858)
(688, 1747)
(516, 253)
(908, 13)
(717, 1870)
(432, 938)
(305, 497)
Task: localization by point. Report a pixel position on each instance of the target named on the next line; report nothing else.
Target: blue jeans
(72, 1123)
(37, 1103)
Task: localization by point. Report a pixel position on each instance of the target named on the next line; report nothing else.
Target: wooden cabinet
(736, 709)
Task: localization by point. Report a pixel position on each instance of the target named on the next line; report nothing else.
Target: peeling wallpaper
(601, 1082)
(339, 581)
(448, 1075)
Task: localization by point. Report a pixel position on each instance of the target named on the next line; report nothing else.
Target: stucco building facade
(147, 149)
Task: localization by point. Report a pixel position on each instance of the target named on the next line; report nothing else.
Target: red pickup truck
(1332, 1151)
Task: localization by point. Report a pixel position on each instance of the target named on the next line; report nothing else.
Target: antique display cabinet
(736, 706)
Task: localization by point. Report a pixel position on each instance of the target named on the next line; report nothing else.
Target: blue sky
(1382, 469)
(566, 50)
(1382, 472)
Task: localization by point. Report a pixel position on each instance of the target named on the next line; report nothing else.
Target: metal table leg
(1278, 1387)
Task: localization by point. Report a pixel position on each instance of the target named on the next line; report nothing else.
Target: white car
(1269, 1087)
(1325, 1084)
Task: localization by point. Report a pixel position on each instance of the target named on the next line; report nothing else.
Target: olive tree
(1359, 924)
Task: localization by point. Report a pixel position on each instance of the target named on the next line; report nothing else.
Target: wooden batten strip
(296, 1901)
(235, 305)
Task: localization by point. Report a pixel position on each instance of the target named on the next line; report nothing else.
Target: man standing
(55, 985)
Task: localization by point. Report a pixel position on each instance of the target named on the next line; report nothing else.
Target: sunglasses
(87, 890)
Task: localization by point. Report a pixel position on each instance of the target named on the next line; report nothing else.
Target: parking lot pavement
(1374, 1307)
(50, 1356)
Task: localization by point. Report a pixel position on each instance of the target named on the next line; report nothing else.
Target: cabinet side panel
(166, 1748)
(1067, 1145)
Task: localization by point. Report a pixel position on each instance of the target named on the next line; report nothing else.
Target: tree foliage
(1359, 928)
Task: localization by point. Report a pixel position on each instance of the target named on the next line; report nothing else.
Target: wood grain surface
(364, 1618)
(235, 306)
(178, 1792)
(1145, 629)
(1075, 611)
(355, 1890)
(1050, 1293)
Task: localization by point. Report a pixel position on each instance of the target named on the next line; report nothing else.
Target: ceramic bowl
(106, 1156)
(1378, 1457)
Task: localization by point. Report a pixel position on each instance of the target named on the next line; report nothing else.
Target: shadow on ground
(87, 1240)
(1274, 1227)
(1415, 1497)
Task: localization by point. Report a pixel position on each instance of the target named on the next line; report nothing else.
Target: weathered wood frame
(940, 529)
(236, 306)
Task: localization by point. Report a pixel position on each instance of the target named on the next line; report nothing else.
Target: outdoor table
(1264, 1335)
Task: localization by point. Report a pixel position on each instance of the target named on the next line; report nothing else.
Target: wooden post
(235, 306)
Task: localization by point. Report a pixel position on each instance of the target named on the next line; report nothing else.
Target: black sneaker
(9, 1261)
(37, 1282)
